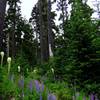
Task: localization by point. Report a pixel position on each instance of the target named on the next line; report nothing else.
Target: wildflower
(92, 97)
(18, 68)
(42, 87)
(51, 97)
(9, 59)
(52, 70)
(9, 63)
(34, 70)
(21, 83)
(2, 56)
(31, 86)
(37, 85)
(40, 97)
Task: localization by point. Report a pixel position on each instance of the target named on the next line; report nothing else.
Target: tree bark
(44, 45)
(50, 33)
(2, 14)
(7, 45)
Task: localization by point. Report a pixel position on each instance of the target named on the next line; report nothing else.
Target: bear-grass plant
(2, 56)
(7, 88)
(16, 86)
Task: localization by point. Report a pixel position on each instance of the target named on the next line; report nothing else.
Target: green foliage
(22, 61)
(77, 51)
(76, 58)
(60, 89)
(81, 96)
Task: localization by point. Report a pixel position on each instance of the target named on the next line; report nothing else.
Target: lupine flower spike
(21, 82)
(40, 97)
(2, 56)
(30, 86)
(51, 97)
(9, 64)
(42, 87)
(37, 85)
(92, 97)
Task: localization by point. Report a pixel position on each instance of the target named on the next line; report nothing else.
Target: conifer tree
(12, 21)
(62, 6)
(44, 17)
(2, 14)
(81, 31)
(19, 33)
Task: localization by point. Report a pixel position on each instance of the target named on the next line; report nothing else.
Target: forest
(45, 59)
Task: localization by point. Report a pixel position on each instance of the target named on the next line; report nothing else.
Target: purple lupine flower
(21, 83)
(37, 85)
(31, 86)
(51, 97)
(42, 87)
(40, 97)
(92, 97)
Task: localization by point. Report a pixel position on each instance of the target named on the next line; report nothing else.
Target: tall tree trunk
(2, 14)
(8, 45)
(13, 33)
(13, 41)
(44, 45)
(50, 33)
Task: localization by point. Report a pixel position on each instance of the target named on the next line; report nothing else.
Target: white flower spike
(52, 70)
(2, 54)
(9, 59)
(34, 70)
(9, 64)
(18, 68)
